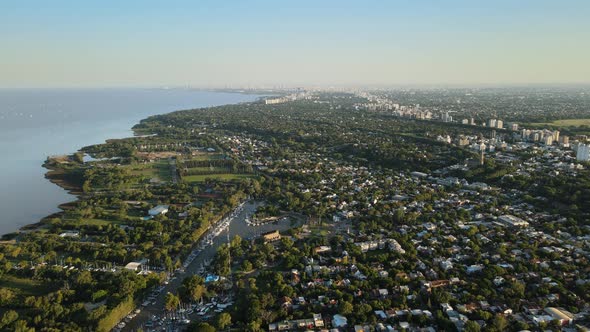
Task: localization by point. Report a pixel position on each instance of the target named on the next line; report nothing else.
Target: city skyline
(206, 44)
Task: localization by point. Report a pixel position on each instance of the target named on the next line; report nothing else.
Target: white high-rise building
(564, 140)
(492, 123)
(548, 140)
(583, 152)
(499, 124)
(446, 117)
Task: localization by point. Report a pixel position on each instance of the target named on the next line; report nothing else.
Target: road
(237, 226)
(173, 172)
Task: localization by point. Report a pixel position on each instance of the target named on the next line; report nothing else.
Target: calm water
(35, 124)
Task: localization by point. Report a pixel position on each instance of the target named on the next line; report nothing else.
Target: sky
(235, 43)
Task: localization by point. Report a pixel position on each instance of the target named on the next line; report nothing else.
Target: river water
(36, 123)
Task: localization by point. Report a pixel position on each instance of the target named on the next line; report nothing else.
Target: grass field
(26, 287)
(566, 123)
(208, 169)
(224, 177)
(206, 156)
(99, 222)
(160, 169)
(92, 222)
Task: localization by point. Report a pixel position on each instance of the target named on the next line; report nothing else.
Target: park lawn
(100, 222)
(321, 230)
(26, 287)
(160, 169)
(93, 222)
(208, 169)
(223, 177)
(206, 156)
(135, 213)
(566, 123)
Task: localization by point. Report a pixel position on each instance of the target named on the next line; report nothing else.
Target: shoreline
(52, 176)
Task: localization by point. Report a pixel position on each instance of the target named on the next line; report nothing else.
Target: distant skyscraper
(583, 152)
(564, 140)
(463, 141)
(548, 140)
(481, 157)
(492, 123)
(465, 121)
(499, 124)
(446, 117)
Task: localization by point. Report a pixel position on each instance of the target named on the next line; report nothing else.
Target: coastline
(53, 175)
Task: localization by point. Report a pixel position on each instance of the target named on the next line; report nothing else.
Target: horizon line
(284, 86)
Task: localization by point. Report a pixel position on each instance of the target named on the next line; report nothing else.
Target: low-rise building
(512, 221)
(271, 236)
(158, 210)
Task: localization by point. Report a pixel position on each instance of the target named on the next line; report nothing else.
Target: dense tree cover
(309, 157)
(343, 131)
(112, 233)
(193, 289)
(567, 195)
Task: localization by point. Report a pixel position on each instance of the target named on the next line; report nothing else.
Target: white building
(339, 321)
(512, 221)
(446, 117)
(548, 140)
(513, 126)
(583, 152)
(564, 141)
(160, 209)
(70, 234)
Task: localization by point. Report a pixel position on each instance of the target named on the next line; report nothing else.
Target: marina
(153, 316)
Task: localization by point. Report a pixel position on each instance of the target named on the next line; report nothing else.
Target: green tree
(223, 321)
(6, 296)
(472, 326)
(84, 278)
(171, 302)
(253, 326)
(500, 323)
(247, 266)
(201, 327)
(345, 308)
(21, 326)
(8, 317)
(194, 287)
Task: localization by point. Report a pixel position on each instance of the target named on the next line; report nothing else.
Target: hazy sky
(145, 43)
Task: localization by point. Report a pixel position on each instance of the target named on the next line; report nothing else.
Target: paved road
(237, 226)
(172, 162)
